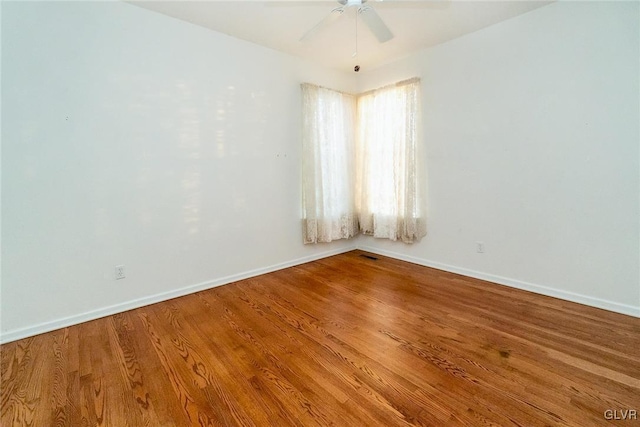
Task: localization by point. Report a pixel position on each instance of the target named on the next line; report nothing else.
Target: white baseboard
(538, 289)
(40, 328)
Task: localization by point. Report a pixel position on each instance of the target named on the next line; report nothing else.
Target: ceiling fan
(367, 13)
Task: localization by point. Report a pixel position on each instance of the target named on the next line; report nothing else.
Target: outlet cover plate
(119, 272)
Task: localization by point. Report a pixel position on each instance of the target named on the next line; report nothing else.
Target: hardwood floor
(344, 341)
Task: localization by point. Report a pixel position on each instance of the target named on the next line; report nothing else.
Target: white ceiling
(279, 25)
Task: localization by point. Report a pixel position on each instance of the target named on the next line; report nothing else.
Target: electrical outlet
(480, 247)
(119, 272)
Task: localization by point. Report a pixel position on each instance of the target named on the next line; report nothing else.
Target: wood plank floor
(344, 341)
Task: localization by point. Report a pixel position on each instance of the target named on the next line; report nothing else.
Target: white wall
(532, 136)
(132, 138)
(123, 143)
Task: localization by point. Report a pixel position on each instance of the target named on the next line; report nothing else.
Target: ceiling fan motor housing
(352, 3)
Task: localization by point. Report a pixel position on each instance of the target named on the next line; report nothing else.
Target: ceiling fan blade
(328, 20)
(375, 24)
(412, 4)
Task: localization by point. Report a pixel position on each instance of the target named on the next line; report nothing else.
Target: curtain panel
(328, 173)
(389, 180)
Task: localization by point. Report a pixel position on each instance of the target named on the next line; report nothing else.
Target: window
(360, 163)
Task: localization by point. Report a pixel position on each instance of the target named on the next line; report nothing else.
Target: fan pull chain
(355, 54)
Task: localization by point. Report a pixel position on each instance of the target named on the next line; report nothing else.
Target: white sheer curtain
(328, 165)
(389, 180)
